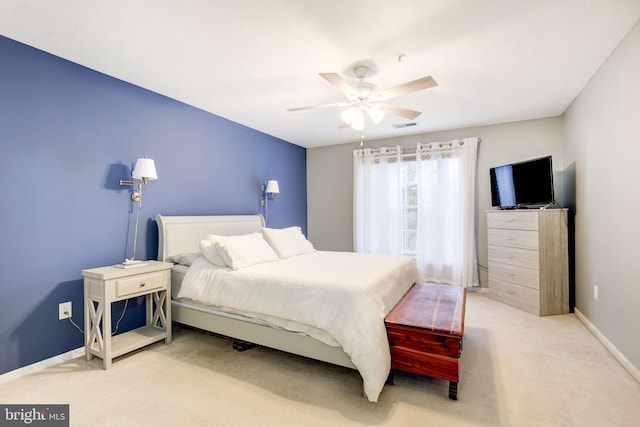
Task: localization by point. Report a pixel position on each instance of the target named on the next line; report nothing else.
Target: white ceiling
(249, 60)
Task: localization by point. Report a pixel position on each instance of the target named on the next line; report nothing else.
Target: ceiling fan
(365, 97)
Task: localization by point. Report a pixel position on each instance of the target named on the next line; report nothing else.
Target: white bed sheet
(177, 276)
(340, 298)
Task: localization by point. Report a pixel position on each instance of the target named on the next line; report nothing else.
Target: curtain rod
(412, 151)
(440, 144)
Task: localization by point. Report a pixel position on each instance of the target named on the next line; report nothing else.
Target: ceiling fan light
(375, 114)
(349, 115)
(358, 122)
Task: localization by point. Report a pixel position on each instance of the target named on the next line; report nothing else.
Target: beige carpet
(516, 370)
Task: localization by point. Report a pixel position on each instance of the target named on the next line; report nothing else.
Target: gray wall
(601, 154)
(330, 179)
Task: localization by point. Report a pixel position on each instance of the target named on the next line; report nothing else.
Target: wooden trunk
(425, 332)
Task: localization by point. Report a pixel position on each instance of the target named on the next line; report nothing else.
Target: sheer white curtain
(446, 181)
(377, 207)
(445, 189)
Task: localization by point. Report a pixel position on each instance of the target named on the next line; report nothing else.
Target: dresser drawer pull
(142, 285)
(510, 220)
(511, 274)
(511, 291)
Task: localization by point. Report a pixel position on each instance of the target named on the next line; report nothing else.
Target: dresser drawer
(528, 277)
(141, 282)
(517, 220)
(526, 299)
(527, 258)
(513, 238)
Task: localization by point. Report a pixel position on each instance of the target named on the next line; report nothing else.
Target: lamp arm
(138, 197)
(143, 171)
(135, 234)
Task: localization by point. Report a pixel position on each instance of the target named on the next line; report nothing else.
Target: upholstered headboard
(180, 234)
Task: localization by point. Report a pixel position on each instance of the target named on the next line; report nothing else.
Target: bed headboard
(179, 234)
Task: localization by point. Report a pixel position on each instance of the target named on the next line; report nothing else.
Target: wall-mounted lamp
(143, 171)
(270, 191)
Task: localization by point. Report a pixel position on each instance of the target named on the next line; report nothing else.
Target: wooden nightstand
(105, 285)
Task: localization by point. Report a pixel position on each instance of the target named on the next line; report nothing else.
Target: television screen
(523, 184)
(503, 191)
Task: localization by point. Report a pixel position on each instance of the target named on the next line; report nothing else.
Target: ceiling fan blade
(399, 111)
(314, 107)
(405, 88)
(340, 83)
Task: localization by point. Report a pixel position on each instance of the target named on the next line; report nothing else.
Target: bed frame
(180, 234)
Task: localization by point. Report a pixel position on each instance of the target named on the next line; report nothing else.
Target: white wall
(330, 179)
(601, 156)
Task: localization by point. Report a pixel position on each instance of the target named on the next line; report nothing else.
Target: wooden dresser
(425, 332)
(528, 259)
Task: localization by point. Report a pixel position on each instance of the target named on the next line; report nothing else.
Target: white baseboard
(633, 370)
(43, 364)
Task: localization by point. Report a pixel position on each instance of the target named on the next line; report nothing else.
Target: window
(420, 205)
(409, 209)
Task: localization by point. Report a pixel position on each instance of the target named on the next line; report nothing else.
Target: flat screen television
(525, 184)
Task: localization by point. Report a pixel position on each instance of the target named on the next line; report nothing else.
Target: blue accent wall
(67, 136)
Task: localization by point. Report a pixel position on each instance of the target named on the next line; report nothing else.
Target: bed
(315, 334)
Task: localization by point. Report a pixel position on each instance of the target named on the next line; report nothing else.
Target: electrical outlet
(64, 310)
(595, 292)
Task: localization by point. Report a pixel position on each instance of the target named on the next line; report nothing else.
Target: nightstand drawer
(139, 283)
(523, 239)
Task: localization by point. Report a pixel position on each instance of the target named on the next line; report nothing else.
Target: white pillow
(245, 250)
(210, 251)
(287, 242)
(186, 258)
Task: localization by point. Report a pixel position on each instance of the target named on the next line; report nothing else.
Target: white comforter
(340, 297)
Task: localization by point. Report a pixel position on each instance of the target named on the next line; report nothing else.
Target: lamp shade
(376, 114)
(358, 123)
(145, 169)
(272, 187)
(349, 115)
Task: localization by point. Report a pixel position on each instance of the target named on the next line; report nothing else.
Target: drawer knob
(142, 285)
